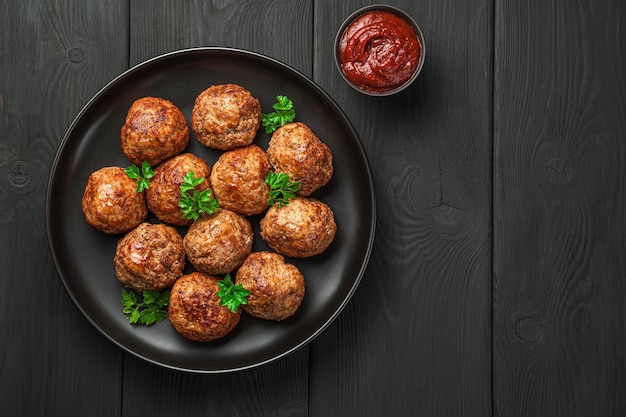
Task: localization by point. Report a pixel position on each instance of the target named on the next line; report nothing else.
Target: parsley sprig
(193, 203)
(231, 295)
(282, 189)
(284, 114)
(151, 310)
(143, 177)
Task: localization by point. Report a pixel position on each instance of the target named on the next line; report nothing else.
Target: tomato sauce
(379, 51)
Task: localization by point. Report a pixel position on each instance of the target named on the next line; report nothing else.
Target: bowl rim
(400, 13)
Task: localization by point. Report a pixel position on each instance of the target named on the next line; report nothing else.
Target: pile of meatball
(153, 256)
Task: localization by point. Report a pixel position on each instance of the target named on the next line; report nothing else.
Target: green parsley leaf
(231, 295)
(282, 189)
(151, 310)
(143, 177)
(192, 203)
(283, 114)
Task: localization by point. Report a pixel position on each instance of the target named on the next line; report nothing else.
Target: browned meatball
(218, 243)
(225, 116)
(150, 257)
(302, 228)
(194, 309)
(276, 287)
(111, 203)
(238, 180)
(155, 129)
(164, 192)
(296, 151)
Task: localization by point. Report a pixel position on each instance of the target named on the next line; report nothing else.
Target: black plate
(84, 256)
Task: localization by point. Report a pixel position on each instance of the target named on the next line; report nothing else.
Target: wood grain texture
(53, 57)
(277, 389)
(279, 29)
(559, 223)
(415, 339)
(281, 388)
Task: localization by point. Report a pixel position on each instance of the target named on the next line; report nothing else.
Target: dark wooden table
(496, 285)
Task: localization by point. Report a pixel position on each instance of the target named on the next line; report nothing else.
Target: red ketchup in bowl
(379, 51)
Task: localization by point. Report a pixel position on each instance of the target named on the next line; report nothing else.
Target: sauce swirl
(379, 51)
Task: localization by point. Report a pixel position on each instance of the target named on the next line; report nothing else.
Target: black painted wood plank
(279, 29)
(559, 204)
(280, 388)
(277, 389)
(53, 57)
(415, 339)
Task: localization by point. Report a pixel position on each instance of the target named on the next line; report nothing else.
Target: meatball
(194, 309)
(218, 243)
(225, 117)
(150, 257)
(155, 129)
(276, 287)
(111, 203)
(164, 192)
(238, 180)
(296, 151)
(302, 228)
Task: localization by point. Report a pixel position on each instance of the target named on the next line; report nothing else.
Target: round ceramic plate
(84, 256)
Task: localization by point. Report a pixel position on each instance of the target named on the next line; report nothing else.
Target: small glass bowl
(398, 12)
